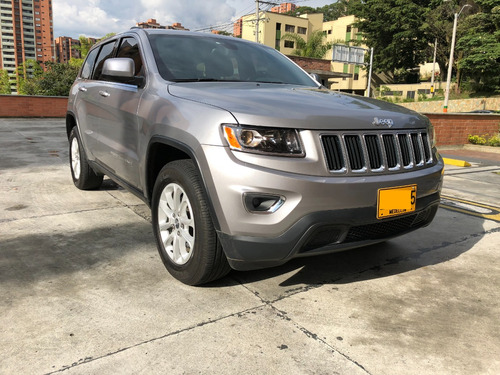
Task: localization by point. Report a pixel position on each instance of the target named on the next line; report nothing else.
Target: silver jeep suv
(245, 160)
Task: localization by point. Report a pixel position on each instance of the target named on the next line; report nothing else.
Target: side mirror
(121, 69)
(316, 77)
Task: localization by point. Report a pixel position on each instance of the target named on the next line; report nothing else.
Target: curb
(456, 162)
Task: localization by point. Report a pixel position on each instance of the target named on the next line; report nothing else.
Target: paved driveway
(83, 290)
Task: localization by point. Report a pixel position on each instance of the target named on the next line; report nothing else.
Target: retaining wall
(33, 106)
(451, 129)
(460, 105)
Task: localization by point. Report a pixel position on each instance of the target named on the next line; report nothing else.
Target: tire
(184, 231)
(82, 173)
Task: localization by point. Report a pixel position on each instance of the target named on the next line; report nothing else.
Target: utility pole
(434, 67)
(257, 16)
(257, 11)
(370, 73)
(450, 65)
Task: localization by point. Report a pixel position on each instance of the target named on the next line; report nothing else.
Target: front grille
(362, 152)
(338, 234)
(385, 229)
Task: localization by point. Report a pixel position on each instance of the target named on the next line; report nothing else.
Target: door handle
(82, 89)
(104, 93)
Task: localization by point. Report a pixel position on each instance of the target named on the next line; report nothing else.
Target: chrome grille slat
(391, 151)
(355, 152)
(334, 154)
(404, 146)
(374, 152)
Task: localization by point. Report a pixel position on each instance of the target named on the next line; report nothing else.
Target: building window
(424, 91)
(289, 44)
(289, 28)
(301, 30)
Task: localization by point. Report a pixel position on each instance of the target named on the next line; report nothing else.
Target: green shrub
(493, 141)
(477, 139)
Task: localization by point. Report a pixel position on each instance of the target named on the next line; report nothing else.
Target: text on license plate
(396, 201)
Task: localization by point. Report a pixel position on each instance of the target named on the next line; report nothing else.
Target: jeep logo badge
(383, 122)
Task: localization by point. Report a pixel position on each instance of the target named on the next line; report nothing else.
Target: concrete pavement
(83, 290)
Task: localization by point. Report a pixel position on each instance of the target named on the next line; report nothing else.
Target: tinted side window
(105, 53)
(89, 64)
(130, 48)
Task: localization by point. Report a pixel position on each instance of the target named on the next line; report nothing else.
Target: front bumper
(323, 232)
(320, 214)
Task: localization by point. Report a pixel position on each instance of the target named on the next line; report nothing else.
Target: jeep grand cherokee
(245, 160)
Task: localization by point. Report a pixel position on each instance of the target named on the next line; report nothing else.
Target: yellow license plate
(394, 201)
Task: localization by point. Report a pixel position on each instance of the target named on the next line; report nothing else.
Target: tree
(55, 81)
(27, 73)
(301, 10)
(85, 44)
(330, 12)
(222, 32)
(336, 10)
(315, 46)
(438, 25)
(4, 82)
(395, 30)
(479, 45)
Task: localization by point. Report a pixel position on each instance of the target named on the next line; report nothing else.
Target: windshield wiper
(195, 80)
(204, 80)
(277, 82)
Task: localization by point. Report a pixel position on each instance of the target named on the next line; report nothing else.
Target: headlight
(432, 135)
(278, 141)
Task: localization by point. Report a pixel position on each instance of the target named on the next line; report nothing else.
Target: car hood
(291, 106)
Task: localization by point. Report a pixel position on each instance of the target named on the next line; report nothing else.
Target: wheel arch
(70, 123)
(163, 150)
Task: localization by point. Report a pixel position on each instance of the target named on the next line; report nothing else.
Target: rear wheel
(185, 235)
(82, 173)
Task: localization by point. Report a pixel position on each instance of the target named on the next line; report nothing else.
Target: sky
(96, 18)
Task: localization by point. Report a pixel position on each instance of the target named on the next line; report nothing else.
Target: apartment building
(342, 31)
(25, 33)
(66, 49)
(272, 26)
(284, 7)
(238, 28)
(153, 24)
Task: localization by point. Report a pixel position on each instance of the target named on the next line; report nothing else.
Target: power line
(227, 25)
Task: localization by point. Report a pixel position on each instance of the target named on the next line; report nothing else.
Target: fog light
(262, 203)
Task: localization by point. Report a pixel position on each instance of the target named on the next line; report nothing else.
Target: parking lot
(83, 290)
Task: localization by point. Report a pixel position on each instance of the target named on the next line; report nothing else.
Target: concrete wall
(453, 129)
(32, 106)
(462, 105)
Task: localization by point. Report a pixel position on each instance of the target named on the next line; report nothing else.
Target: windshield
(185, 58)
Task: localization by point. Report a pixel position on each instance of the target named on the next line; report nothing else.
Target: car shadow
(450, 235)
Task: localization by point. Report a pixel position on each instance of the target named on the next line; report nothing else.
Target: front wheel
(185, 235)
(84, 177)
